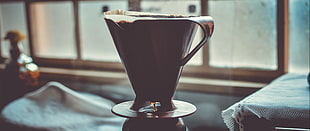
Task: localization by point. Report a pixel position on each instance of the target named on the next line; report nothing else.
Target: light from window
(53, 27)
(12, 17)
(299, 36)
(245, 34)
(96, 41)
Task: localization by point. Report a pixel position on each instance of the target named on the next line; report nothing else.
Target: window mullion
(282, 35)
(77, 28)
(205, 52)
(29, 28)
(1, 43)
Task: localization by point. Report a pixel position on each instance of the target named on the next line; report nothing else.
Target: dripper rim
(131, 16)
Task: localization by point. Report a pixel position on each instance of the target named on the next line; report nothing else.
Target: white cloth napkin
(56, 107)
(285, 100)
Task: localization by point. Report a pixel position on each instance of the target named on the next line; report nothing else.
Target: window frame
(204, 71)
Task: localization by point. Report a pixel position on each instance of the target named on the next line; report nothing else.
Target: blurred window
(53, 30)
(299, 38)
(245, 35)
(12, 17)
(250, 42)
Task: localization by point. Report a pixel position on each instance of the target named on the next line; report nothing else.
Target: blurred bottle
(20, 75)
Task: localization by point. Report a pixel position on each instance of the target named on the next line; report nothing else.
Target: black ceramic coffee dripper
(154, 48)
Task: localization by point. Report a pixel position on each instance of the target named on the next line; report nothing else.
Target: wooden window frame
(204, 71)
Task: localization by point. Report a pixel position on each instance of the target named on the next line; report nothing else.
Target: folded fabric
(56, 107)
(283, 102)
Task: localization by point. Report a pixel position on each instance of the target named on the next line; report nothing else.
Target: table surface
(49, 110)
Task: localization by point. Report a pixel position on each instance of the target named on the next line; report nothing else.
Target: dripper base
(182, 109)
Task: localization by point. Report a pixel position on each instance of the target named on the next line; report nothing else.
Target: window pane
(12, 17)
(53, 24)
(299, 36)
(183, 7)
(245, 34)
(96, 40)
